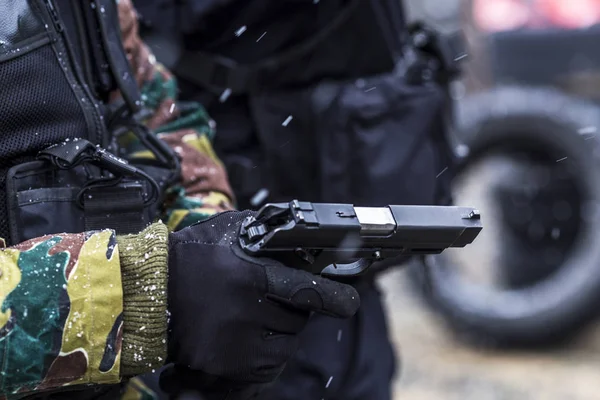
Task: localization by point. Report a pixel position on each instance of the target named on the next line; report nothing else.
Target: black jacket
(252, 31)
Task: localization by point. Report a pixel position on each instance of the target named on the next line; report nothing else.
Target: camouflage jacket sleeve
(70, 310)
(187, 128)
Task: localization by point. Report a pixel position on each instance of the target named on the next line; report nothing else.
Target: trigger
(347, 270)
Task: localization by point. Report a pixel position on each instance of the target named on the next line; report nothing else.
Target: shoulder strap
(110, 34)
(215, 72)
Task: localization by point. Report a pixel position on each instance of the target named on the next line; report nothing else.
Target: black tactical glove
(235, 318)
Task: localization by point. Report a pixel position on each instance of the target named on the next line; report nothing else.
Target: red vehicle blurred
(506, 15)
(538, 42)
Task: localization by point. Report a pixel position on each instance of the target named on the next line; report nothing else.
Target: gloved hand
(235, 318)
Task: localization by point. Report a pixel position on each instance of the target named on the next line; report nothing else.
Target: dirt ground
(434, 366)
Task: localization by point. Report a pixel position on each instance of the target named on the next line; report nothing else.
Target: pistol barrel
(335, 227)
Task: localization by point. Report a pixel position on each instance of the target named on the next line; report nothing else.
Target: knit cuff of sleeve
(144, 275)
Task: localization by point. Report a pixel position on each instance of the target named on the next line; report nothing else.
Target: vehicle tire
(537, 306)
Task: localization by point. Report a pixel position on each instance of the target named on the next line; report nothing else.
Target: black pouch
(368, 142)
(378, 140)
(374, 141)
(75, 187)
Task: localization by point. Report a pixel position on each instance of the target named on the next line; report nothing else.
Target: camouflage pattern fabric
(186, 128)
(61, 313)
(61, 296)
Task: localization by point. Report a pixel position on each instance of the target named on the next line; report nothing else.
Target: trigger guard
(355, 268)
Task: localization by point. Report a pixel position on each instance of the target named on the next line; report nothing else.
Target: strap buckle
(72, 153)
(448, 50)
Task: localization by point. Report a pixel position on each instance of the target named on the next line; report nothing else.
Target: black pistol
(341, 240)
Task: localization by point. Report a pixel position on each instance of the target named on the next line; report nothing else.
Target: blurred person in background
(332, 101)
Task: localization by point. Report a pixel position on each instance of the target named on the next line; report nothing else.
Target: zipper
(54, 15)
(92, 105)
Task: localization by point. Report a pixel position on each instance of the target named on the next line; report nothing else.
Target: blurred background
(512, 316)
(538, 59)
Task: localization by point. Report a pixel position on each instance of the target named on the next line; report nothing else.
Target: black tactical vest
(59, 61)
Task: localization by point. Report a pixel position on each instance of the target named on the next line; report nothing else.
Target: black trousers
(339, 359)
